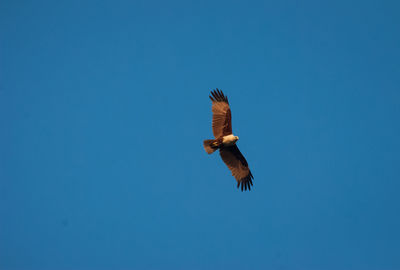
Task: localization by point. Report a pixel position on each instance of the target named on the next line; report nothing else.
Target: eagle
(225, 141)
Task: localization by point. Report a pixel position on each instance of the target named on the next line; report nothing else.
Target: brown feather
(236, 162)
(222, 117)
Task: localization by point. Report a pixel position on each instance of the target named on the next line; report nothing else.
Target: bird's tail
(210, 146)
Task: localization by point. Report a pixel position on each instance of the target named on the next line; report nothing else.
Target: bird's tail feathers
(210, 146)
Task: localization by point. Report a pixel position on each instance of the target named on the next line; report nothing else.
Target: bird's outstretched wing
(221, 122)
(238, 165)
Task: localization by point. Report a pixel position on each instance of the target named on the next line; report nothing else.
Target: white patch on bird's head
(229, 139)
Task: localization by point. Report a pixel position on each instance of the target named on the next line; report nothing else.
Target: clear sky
(104, 106)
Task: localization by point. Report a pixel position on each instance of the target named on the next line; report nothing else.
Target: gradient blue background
(104, 106)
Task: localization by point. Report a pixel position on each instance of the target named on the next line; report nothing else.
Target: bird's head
(236, 138)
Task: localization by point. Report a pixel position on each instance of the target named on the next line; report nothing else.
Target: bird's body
(225, 141)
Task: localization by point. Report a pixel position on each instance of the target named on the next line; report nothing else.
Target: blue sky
(104, 106)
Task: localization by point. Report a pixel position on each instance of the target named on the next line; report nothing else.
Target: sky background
(104, 106)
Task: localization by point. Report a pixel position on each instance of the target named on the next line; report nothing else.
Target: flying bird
(225, 141)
